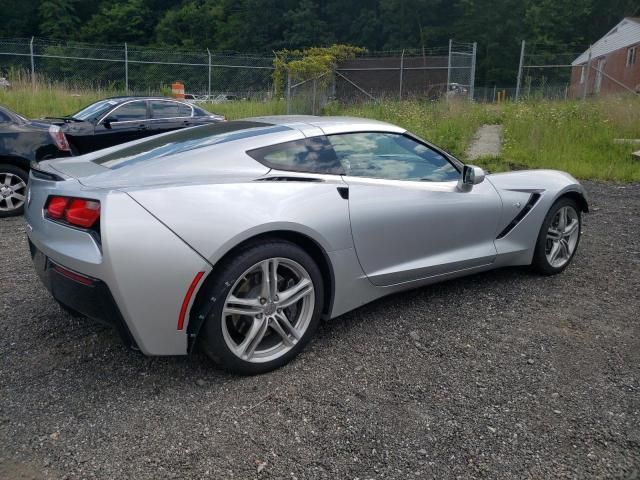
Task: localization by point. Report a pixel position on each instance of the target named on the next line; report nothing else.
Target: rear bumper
(89, 296)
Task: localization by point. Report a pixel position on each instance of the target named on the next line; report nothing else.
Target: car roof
(311, 125)
(139, 97)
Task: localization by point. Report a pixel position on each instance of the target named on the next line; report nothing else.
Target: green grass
(48, 101)
(449, 125)
(576, 137)
(573, 136)
(244, 109)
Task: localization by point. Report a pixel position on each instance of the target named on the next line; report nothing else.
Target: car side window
(130, 111)
(4, 118)
(169, 110)
(390, 156)
(198, 112)
(311, 155)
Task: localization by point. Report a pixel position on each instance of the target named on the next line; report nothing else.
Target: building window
(631, 56)
(582, 74)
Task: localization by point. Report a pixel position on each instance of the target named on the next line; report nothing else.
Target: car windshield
(95, 110)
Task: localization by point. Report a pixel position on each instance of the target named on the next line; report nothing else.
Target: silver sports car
(239, 237)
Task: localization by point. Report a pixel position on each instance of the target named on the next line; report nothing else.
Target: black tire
(540, 262)
(24, 176)
(211, 338)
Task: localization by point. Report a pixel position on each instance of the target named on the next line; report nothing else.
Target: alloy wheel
(268, 310)
(12, 192)
(562, 236)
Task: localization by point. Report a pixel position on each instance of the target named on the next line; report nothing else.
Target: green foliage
(190, 25)
(262, 26)
(123, 21)
(58, 18)
(309, 63)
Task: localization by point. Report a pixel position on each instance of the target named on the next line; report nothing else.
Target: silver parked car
(239, 237)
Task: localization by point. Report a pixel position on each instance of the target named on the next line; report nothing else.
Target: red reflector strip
(187, 299)
(73, 275)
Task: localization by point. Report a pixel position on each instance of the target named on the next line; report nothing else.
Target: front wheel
(266, 305)
(13, 190)
(558, 238)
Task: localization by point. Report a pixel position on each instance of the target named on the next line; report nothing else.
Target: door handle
(142, 127)
(186, 123)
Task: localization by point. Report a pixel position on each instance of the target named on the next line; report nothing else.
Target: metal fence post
(313, 103)
(586, 77)
(126, 68)
(33, 65)
(288, 92)
(401, 71)
(449, 69)
(209, 87)
(520, 71)
(472, 83)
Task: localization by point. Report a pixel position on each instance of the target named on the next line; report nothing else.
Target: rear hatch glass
(184, 140)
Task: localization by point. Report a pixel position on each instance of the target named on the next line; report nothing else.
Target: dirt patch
(486, 143)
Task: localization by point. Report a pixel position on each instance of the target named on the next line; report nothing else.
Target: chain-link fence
(546, 73)
(137, 70)
(433, 74)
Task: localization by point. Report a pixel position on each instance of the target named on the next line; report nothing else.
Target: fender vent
(533, 199)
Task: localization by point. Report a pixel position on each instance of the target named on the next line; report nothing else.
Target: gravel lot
(499, 375)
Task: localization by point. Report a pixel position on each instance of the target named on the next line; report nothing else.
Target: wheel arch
(200, 308)
(15, 161)
(577, 197)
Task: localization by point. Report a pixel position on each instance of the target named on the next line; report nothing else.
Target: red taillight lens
(59, 138)
(83, 213)
(79, 212)
(57, 206)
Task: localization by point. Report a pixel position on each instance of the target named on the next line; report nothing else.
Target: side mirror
(471, 176)
(109, 120)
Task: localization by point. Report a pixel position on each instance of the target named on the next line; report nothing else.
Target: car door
(167, 115)
(409, 220)
(128, 121)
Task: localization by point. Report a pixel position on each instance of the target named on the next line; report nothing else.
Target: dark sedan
(122, 119)
(21, 142)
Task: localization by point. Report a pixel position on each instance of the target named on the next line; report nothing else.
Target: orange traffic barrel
(177, 89)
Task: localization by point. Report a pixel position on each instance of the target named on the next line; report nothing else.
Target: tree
(192, 25)
(58, 18)
(305, 28)
(124, 21)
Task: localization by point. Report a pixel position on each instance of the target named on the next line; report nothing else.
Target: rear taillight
(79, 212)
(59, 138)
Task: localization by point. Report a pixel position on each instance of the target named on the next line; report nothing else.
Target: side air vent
(533, 199)
(285, 178)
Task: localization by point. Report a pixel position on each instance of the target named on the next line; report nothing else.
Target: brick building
(615, 61)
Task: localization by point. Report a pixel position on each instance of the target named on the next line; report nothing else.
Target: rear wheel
(13, 190)
(266, 305)
(558, 238)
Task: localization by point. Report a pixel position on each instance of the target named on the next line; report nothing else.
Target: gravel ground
(499, 375)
